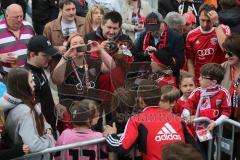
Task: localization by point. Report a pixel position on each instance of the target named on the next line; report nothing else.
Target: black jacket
(165, 6)
(231, 17)
(6, 3)
(44, 10)
(175, 48)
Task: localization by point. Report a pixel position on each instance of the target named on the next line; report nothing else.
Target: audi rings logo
(205, 52)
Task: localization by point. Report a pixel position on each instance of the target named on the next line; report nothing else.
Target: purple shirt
(9, 43)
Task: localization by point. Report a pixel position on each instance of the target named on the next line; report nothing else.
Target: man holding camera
(109, 34)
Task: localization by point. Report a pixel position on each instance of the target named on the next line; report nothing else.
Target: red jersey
(218, 104)
(202, 47)
(152, 129)
(178, 108)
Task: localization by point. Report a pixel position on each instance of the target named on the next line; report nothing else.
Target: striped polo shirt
(9, 43)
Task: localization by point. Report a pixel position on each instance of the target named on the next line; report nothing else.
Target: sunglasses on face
(229, 53)
(205, 77)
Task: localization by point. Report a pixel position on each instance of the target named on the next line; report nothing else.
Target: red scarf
(162, 42)
(234, 93)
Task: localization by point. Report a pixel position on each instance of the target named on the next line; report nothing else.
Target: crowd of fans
(119, 67)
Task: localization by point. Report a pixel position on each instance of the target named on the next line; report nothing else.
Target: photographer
(77, 72)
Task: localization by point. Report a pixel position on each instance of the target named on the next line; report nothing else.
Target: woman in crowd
(25, 123)
(231, 82)
(133, 13)
(77, 72)
(7, 152)
(93, 19)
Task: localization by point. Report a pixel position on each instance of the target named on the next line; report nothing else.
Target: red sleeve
(226, 30)
(192, 102)
(226, 104)
(189, 48)
(178, 108)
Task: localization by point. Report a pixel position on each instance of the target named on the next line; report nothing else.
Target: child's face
(167, 105)
(205, 81)
(187, 85)
(95, 119)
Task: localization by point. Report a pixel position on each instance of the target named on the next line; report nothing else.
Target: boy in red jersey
(153, 127)
(209, 100)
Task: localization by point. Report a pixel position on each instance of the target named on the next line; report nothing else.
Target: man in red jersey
(204, 44)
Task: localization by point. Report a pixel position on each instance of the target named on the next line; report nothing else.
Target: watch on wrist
(216, 24)
(65, 58)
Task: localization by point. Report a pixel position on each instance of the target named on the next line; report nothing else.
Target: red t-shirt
(202, 47)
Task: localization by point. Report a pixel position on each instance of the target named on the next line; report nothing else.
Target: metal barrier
(65, 147)
(226, 145)
(223, 144)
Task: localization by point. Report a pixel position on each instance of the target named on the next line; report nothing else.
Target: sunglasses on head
(229, 53)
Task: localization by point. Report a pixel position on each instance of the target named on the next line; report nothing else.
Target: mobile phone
(82, 48)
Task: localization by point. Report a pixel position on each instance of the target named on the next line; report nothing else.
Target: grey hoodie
(21, 127)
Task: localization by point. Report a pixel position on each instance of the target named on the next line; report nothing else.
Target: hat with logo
(40, 43)
(153, 21)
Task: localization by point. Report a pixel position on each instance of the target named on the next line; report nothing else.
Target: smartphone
(82, 48)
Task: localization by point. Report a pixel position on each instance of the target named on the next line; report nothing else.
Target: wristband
(65, 58)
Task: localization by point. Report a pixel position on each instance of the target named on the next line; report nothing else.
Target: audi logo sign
(205, 52)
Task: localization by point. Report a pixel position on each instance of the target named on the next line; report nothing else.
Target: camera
(82, 48)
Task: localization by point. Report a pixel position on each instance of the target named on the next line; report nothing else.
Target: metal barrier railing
(224, 144)
(97, 141)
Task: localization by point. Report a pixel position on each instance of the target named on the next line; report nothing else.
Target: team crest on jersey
(214, 41)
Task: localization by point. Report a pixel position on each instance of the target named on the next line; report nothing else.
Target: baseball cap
(153, 21)
(40, 43)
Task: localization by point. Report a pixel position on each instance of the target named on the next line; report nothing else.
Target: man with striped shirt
(14, 36)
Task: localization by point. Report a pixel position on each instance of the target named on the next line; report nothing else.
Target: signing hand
(211, 126)
(110, 130)
(150, 50)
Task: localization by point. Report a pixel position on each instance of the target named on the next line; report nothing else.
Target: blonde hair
(89, 17)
